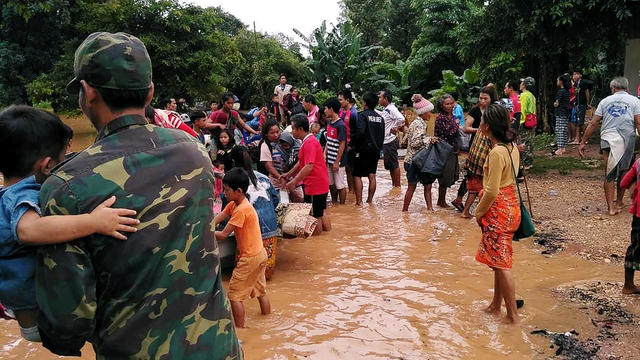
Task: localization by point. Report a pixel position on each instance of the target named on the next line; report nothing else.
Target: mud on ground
(570, 215)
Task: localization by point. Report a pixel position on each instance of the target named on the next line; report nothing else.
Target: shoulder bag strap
(515, 177)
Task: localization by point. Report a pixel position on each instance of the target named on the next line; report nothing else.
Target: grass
(563, 165)
(542, 141)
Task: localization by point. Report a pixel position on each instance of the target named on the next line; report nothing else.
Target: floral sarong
(498, 226)
(270, 247)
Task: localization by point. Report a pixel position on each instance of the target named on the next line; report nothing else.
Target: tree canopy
(406, 46)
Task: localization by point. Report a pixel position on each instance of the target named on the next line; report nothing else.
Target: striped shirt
(336, 133)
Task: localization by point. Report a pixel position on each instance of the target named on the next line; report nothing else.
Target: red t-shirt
(221, 117)
(516, 102)
(317, 182)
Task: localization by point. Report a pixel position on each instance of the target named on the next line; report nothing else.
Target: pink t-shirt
(516, 102)
(317, 182)
(313, 114)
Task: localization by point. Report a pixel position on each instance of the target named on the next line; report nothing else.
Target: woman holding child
(498, 212)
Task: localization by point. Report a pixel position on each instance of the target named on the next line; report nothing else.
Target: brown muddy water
(390, 285)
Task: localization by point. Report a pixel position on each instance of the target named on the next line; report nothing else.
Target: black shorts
(350, 155)
(632, 257)
(318, 204)
(390, 151)
(365, 163)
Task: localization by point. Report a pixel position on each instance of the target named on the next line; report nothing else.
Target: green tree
(191, 54)
(338, 57)
(544, 39)
(26, 28)
(435, 48)
(263, 59)
(368, 18)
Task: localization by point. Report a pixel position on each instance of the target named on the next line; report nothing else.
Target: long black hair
(241, 158)
(566, 81)
(497, 118)
(230, 144)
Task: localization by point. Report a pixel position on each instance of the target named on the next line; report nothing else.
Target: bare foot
(511, 321)
(405, 209)
(466, 216)
(559, 152)
(613, 212)
(444, 206)
(630, 291)
(358, 204)
(493, 310)
(430, 208)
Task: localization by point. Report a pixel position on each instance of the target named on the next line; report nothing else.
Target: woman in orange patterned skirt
(498, 212)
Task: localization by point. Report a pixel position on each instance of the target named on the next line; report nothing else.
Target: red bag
(530, 121)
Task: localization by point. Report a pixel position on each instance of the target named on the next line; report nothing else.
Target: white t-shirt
(281, 92)
(392, 119)
(265, 153)
(618, 111)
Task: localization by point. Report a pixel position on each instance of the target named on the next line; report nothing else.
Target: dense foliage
(406, 46)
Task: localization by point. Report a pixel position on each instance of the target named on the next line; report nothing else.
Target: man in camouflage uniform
(157, 295)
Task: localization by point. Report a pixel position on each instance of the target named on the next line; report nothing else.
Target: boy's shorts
(248, 279)
(339, 178)
(318, 204)
(366, 163)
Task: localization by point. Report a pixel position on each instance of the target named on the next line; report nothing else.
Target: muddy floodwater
(390, 285)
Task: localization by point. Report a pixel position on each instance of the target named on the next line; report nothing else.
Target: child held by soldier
(248, 279)
(32, 142)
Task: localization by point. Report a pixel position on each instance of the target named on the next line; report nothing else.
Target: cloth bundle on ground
(294, 219)
(431, 160)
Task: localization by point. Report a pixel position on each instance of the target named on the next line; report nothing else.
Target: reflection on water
(384, 284)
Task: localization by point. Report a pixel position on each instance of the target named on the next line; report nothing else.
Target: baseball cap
(112, 61)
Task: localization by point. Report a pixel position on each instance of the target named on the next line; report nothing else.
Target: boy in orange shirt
(248, 279)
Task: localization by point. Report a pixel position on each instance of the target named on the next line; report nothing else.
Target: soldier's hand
(112, 222)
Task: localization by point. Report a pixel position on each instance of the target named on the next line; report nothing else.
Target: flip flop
(458, 206)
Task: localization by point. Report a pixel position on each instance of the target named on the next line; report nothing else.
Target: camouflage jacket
(157, 295)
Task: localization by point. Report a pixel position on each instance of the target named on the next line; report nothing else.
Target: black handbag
(526, 228)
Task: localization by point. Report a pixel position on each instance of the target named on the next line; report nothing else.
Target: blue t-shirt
(458, 114)
(17, 261)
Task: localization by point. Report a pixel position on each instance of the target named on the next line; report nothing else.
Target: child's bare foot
(430, 208)
(444, 205)
(632, 290)
(466, 216)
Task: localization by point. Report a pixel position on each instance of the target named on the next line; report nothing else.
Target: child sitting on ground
(248, 279)
(32, 142)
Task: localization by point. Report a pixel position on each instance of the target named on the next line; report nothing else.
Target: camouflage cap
(111, 61)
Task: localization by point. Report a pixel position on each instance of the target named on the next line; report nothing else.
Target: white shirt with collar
(392, 119)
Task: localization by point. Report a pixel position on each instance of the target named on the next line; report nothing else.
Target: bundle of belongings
(431, 161)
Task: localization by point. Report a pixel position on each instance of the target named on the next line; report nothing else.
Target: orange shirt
(247, 231)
